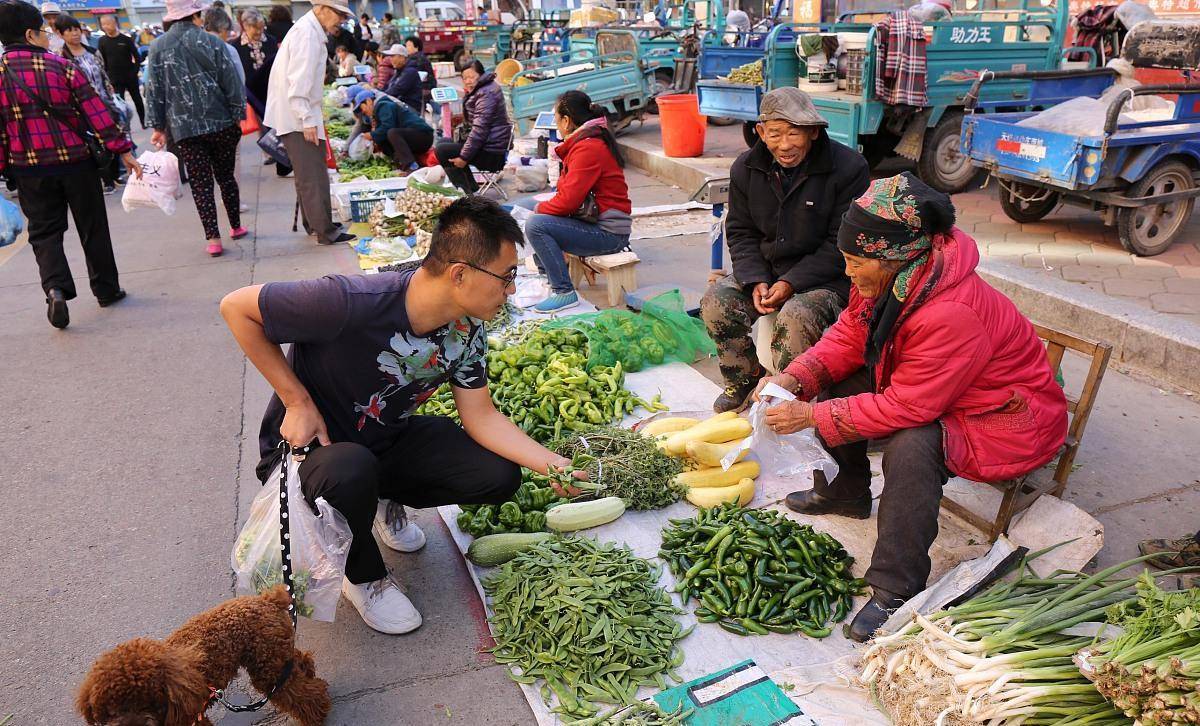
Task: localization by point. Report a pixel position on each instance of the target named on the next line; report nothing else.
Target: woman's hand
(790, 416)
(131, 164)
(786, 381)
(460, 162)
(158, 139)
(302, 423)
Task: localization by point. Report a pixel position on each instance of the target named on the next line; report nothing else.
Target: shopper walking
(295, 91)
(122, 63)
(87, 60)
(193, 92)
(257, 50)
(46, 107)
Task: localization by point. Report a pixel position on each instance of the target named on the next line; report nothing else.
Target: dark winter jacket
(192, 87)
(420, 61)
(486, 116)
(390, 115)
(791, 235)
(406, 86)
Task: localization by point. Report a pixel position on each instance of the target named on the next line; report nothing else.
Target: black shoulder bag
(100, 154)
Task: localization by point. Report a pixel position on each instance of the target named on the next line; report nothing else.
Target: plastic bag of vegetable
(158, 186)
(781, 455)
(361, 149)
(320, 542)
(11, 222)
(661, 333)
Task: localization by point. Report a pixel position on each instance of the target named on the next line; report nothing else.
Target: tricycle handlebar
(1118, 103)
(972, 97)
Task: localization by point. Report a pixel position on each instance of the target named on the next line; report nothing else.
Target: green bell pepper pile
(525, 512)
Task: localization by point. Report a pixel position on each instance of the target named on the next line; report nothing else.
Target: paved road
(128, 448)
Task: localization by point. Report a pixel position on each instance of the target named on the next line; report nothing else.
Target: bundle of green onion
(1002, 657)
(1151, 671)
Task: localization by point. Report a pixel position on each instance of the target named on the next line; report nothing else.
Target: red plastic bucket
(682, 125)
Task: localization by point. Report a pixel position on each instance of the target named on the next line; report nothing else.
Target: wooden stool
(618, 268)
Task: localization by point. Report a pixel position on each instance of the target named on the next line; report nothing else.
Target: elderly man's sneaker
(383, 606)
(394, 529)
(1171, 553)
(733, 398)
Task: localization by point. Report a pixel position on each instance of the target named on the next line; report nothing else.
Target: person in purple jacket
(485, 134)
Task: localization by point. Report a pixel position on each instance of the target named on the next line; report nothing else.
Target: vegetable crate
(363, 202)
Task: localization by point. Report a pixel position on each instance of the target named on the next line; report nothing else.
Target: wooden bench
(618, 269)
(1020, 494)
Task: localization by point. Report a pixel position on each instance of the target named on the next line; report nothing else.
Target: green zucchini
(496, 549)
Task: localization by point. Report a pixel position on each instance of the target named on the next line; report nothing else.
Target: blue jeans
(551, 236)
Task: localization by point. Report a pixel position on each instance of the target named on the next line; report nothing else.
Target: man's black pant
(130, 86)
(464, 179)
(45, 201)
(434, 462)
(405, 146)
(914, 472)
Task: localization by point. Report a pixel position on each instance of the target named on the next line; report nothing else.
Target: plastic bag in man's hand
(781, 455)
(11, 222)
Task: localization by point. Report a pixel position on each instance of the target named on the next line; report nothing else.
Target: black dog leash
(217, 695)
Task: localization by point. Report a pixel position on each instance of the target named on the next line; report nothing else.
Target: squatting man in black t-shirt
(367, 350)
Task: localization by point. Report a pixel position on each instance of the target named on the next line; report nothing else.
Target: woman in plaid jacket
(47, 107)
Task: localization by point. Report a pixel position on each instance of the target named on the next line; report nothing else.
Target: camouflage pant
(728, 313)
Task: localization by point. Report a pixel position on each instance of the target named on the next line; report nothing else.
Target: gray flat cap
(791, 105)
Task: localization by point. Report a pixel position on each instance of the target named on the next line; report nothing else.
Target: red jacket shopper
(965, 357)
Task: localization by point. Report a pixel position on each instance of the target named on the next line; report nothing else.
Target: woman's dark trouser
(406, 146)
(45, 201)
(464, 179)
(914, 472)
(208, 157)
(434, 462)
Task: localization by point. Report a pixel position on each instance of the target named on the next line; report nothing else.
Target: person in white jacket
(294, 94)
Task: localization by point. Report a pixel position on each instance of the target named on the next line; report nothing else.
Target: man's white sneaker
(383, 606)
(394, 529)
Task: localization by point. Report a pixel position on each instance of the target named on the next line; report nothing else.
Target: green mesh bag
(662, 332)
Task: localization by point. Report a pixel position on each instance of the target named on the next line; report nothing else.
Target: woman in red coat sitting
(590, 213)
(930, 357)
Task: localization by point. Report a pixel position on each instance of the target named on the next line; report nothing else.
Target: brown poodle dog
(148, 682)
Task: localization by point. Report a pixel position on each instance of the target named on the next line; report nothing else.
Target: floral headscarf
(895, 220)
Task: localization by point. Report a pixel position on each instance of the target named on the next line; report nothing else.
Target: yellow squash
(717, 477)
(715, 430)
(707, 454)
(667, 425)
(741, 493)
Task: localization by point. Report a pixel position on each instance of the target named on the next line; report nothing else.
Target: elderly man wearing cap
(294, 94)
(396, 129)
(787, 196)
(406, 83)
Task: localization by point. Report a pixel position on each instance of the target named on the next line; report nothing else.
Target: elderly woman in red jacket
(590, 213)
(929, 357)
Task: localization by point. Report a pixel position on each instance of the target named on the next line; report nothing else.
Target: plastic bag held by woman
(782, 455)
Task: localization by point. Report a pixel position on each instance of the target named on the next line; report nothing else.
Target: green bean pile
(754, 571)
(372, 168)
(589, 619)
(543, 385)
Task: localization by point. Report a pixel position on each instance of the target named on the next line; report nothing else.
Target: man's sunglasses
(508, 279)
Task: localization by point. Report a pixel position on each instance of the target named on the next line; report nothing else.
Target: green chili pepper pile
(755, 571)
(641, 713)
(543, 386)
(336, 129)
(525, 512)
(372, 168)
(623, 463)
(587, 618)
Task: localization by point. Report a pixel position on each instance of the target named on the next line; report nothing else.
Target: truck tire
(942, 166)
(660, 85)
(1150, 230)
(750, 133)
(1037, 202)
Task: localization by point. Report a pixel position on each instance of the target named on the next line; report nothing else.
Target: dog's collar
(217, 695)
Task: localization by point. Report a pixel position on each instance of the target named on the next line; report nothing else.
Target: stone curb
(1152, 344)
